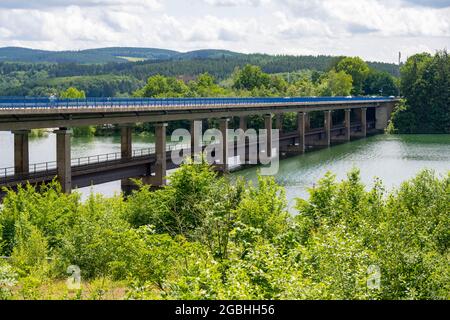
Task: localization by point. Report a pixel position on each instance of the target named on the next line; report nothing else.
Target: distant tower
(399, 58)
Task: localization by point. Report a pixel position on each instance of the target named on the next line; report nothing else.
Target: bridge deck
(33, 113)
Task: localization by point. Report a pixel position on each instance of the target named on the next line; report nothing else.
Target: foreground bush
(203, 237)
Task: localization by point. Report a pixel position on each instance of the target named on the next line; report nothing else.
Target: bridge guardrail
(48, 103)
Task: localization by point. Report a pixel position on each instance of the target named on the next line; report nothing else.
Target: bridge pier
(347, 124)
(383, 115)
(63, 159)
(361, 115)
(222, 166)
(279, 122)
(347, 128)
(301, 123)
(301, 129)
(243, 123)
(307, 122)
(21, 152)
(158, 179)
(126, 152)
(244, 152)
(268, 127)
(326, 140)
(196, 139)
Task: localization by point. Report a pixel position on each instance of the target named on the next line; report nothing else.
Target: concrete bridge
(361, 115)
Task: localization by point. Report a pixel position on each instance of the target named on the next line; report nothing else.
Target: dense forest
(42, 75)
(425, 84)
(204, 237)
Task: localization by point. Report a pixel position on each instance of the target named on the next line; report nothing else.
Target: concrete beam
(21, 152)
(63, 159)
(33, 119)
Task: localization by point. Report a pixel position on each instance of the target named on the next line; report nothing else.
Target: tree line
(118, 79)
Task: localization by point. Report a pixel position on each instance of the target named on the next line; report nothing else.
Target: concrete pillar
(327, 125)
(21, 152)
(279, 122)
(223, 127)
(126, 152)
(243, 123)
(196, 137)
(383, 115)
(301, 126)
(63, 159)
(307, 122)
(126, 148)
(364, 122)
(268, 127)
(159, 179)
(347, 124)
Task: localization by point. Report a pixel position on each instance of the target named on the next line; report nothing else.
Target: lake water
(393, 158)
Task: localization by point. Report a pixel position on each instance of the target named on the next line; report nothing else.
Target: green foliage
(264, 207)
(72, 93)
(163, 87)
(250, 77)
(358, 69)
(30, 246)
(425, 84)
(87, 131)
(335, 84)
(8, 279)
(203, 237)
(380, 83)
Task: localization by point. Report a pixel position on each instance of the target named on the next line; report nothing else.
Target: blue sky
(373, 29)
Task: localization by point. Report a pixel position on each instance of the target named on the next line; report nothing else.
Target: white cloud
(374, 29)
(234, 3)
(40, 4)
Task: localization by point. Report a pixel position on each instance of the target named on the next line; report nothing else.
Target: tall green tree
(72, 93)
(425, 85)
(380, 83)
(250, 77)
(335, 84)
(159, 86)
(358, 69)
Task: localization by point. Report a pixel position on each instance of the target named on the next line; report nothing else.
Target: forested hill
(106, 55)
(129, 60)
(121, 71)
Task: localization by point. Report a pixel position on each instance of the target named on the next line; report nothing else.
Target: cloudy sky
(374, 29)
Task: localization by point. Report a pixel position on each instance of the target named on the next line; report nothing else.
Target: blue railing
(49, 103)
